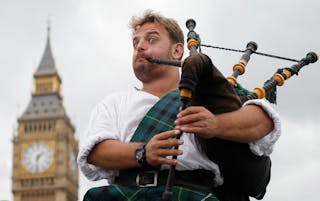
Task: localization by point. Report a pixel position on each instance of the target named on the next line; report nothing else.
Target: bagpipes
(202, 84)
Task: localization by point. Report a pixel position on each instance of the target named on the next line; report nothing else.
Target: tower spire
(47, 63)
(47, 85)
(48, 26)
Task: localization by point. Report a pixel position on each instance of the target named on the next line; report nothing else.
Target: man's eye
(152, 40)
(135, 43)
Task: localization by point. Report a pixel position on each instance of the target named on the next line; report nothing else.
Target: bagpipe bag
(242, 170)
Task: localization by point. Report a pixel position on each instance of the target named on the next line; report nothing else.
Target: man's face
(150, 40)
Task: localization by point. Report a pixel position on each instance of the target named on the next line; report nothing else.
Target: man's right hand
(160, 146)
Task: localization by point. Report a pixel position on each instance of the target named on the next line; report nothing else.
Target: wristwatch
(140, 154)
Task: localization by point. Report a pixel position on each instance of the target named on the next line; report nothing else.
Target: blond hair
(171, 25)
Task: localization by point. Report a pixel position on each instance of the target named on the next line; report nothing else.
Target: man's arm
(113, 155)
(248, 124)
(116, 155)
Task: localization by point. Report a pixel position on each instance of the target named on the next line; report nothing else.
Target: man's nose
(142, 45)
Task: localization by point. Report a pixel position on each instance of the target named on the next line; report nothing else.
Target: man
(109, 151)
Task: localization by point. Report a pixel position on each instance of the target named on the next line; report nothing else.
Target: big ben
(45, 148)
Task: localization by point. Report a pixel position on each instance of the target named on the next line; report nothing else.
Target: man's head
(149, 16)
(155, 36)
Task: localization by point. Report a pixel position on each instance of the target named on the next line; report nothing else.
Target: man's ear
(177, 51)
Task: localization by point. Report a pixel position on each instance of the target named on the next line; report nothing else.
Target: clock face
(37, 157)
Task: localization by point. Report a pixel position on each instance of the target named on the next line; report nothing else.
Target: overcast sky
(91, 44)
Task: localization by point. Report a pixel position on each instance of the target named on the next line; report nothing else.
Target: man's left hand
(197, 120)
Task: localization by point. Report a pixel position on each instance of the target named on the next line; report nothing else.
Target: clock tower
(45, 148)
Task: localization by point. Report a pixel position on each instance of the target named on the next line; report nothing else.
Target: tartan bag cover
(159, 118)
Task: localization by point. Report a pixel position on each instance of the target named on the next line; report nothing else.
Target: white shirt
(118, 115)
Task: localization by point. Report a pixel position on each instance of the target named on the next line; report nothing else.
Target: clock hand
(38, 156)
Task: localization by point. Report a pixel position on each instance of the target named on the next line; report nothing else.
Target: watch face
(140, 154)
(37, 157)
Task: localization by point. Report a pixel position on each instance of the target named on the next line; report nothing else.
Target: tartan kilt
(124, 193)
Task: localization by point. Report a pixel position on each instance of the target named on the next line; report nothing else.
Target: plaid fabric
(240, 90)
(159, 118)
(121, 193)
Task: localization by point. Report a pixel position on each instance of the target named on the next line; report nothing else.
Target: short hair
(171, 25)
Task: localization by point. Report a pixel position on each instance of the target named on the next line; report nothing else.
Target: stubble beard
(147, 72)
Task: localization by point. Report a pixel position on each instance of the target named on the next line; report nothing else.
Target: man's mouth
(142, 58)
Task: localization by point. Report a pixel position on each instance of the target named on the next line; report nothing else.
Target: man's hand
(247, 124)
(159, 147)
(197, 120)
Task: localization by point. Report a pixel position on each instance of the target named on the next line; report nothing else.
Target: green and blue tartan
(241, 91)
(158, 119)
(122, 193)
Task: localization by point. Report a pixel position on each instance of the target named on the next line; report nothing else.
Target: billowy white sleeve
(264, 146)
(102, 125)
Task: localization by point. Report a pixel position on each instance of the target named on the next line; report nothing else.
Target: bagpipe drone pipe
(202, 84)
